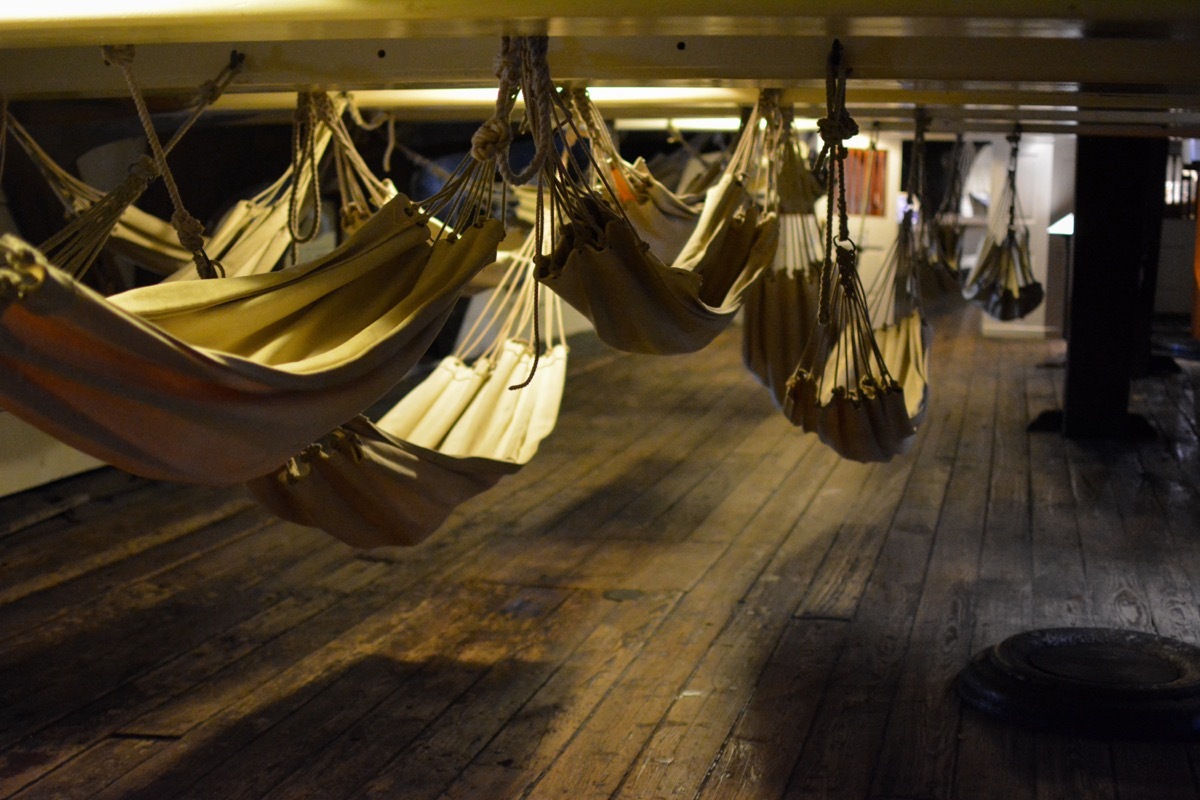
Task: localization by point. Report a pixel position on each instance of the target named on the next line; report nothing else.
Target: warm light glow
(91, 9)
(680, 123)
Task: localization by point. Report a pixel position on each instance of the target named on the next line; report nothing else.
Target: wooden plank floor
(680, 597)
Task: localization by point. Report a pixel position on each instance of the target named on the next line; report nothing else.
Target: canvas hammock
(636, 303)
(781, 305)
(393, 482)
(143, 237)
(98, 217)
(663, 220)
(896, 298)
(1002, 283)
(946, 229)
(842, 389)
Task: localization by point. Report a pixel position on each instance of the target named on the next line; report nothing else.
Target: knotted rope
(521, 68)
(835, 127)
(304, 149)
(189, 229)
(1014, 141)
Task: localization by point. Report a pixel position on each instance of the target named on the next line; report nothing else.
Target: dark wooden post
(1119, 198)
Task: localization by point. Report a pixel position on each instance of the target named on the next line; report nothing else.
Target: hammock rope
(189, 229)
(77, 245)
(304, 156)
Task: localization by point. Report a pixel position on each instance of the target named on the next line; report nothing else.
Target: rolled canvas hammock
(781, 305)
(842, 389)
(1002, 283)
(637, 303)
(393, 482)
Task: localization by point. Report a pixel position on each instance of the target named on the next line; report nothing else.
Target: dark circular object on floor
(1096, 682)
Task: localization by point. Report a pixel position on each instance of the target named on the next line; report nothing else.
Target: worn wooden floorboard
(681, 596)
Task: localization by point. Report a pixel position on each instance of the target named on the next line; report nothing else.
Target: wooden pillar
(1118, 224)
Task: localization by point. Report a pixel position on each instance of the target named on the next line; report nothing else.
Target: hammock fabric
(638, 304)
(453, 436)
(220, 381)
(252, 237)
(781, 305)
(1002, 283)
(842, 389)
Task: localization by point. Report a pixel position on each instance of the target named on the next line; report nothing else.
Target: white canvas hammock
(637, 303)
(1002, 283)
(393, 482)
(842, 389)
(781, 305)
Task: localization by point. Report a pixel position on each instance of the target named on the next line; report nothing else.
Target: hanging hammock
(662, 219)
(220, 381)
(946, 230)
(453, 436)
(842, 389)
(637, 303)
(896, 299)
(1002, 283)
(781, 305)
(97, 216)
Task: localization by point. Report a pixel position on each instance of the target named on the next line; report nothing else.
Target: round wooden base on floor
(1098, 682)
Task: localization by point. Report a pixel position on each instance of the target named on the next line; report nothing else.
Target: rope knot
(119, 55)
(145, 169)
(189, 229)
(508, 65)
(493, 137)
(837, 128)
